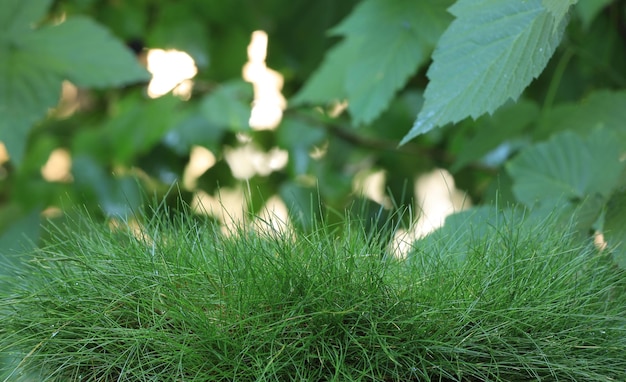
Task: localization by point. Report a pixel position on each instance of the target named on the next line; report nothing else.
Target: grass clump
(179, 301)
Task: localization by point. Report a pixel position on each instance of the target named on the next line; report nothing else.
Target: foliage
(523, 102)
(519, 298)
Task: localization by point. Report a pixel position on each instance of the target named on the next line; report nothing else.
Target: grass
(518, 301)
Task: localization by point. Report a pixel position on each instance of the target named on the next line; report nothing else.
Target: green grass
(514, 301)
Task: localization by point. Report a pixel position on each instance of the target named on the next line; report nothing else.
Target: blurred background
(236, 114)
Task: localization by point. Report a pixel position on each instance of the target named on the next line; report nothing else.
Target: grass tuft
(179, 301)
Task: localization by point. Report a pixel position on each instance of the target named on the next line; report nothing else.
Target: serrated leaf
(373, 63)
(615, 227)
(34, 63)
(86, 54)
(372, 82)
(589, 9)
(567, 167)
(558, 8)
(487, 56)
(410, 30)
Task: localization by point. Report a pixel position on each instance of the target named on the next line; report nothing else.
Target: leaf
(27, 91)
(488, 55)
(116, 196)
(303, 204)
(21, 233)
(86, 54)
(599, 109)
(140, 126)
(299, 137)
(193, 130)
(35, 62)
(491, 132)
(369, 81)
(589, 9)
(135, 128)
(177, 27)
(567, 167)
(228, 107)
(615, 227)
(411, 29)
(462, 230)
(558, 8)
(326, 84)
(17, 16)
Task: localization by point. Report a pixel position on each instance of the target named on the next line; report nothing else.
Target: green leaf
(464, 228)
(116, 196)
(411, 29)
(17, 16)
(191, 131)
(558, 8)
(299, 137)
(490, 132)
(140, 126)
(297, 132)
(326, 84)
(177, 27)
(86, 54)
(599, 109)
(615, 227)
(27, 90)
(35, 62)
(488, 55)
(567, 167)
(228, 107)
(137, 126)
(303, 204)
(589, 9)
(20, 234)
(369, 81)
